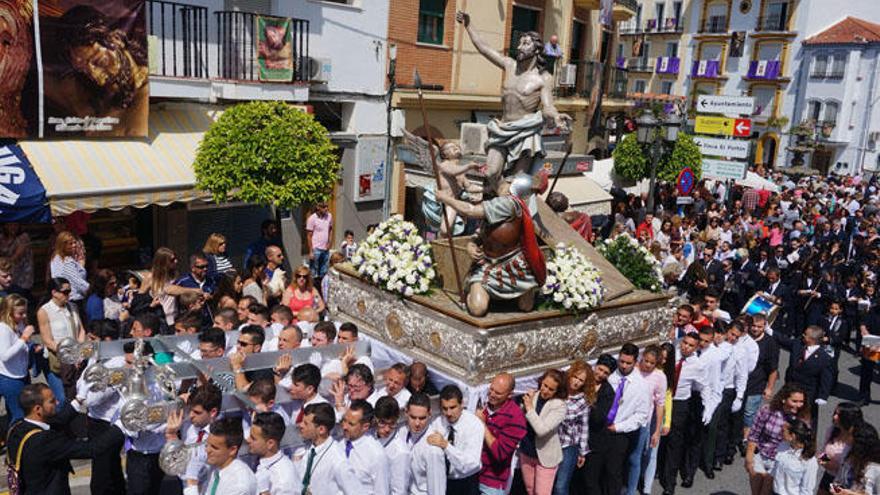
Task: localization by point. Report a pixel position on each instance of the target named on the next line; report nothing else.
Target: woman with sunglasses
(58, 320)
(302, 293)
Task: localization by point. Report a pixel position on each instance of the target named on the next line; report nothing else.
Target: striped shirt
(508, 426)
(574, 429)
(75, 273)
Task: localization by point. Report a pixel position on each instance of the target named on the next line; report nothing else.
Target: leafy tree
(630, 161)
(267, 153)
(685, 153)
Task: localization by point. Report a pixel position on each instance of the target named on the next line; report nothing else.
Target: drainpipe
(863, 140)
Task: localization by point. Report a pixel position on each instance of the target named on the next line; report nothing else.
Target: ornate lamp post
(649, 133)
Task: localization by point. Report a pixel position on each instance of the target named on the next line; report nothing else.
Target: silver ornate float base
(474, 353)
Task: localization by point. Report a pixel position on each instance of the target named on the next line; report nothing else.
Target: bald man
(419, 381)
(274, 274)
(505, 427)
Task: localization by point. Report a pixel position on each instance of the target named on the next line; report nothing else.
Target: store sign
(727, 105)
(723, 169)
(729, 148)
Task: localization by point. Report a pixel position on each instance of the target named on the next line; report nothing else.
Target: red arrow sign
(742, 128)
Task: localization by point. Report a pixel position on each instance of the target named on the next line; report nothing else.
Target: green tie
(216, 482)
(308, 477)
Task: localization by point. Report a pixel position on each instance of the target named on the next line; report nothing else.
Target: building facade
(838, 88)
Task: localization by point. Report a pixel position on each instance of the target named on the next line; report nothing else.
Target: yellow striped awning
(91, 174)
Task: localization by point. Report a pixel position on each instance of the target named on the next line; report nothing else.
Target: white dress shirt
(334, 366)
(810, 350)
(277, 476)
(735, 372)
(331, 473)
(711, 359)
(399, 461)
(691, 377)
(402, 397)
(196, 468)
(247, 419)
(293, 408)
(428, 466)
(635, 406)
(103, 405)
(370, 463)
(749, 352)
(464, 454)
(235, 479)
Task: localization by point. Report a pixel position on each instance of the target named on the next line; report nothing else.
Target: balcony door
(256, 6)
(237, 38)
(524, 20)
(777, 16)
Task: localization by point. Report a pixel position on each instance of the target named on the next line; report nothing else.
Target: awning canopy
(91, 174)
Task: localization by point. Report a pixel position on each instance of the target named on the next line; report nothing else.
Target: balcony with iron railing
(581, 85)
(182, 45)
(639, 64)
(716, 24)
(772, 23)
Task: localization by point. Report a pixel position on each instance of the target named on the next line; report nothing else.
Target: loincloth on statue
(517, 137)
(506, 277)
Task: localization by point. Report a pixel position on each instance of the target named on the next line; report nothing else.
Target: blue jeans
(10, 389)
(566, 470)
(634, 462)
(57, 386)
(750, 409)
(649, 459)
(318, 265)
(488, 490)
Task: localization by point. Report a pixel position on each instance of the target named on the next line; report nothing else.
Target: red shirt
(508, 426)
(645, 227)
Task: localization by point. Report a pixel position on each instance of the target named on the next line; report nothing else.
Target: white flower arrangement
(572, 281)
(396, 258)
(634, 261)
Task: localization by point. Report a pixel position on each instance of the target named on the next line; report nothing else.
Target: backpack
(12, 472)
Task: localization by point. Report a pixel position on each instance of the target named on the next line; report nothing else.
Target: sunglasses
(242, 343)
(304, 277)
(201, 267)
(65, 291)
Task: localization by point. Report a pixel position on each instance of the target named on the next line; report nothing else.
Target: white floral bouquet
(572, 281)
(396, 258)
(634, 261)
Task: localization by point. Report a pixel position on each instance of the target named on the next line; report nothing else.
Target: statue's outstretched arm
(482, 47)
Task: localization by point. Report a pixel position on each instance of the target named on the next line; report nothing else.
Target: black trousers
(144, 474)
(866, 379)
(682, 433)
(463, 486)
(725, 424)
(694, 453)
(107, 475)
(607, 469)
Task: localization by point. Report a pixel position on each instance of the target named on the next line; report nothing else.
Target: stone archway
(768, 147)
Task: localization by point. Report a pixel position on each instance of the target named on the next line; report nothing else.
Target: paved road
(731, 481)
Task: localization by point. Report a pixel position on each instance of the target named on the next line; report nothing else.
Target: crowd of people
(707, 399)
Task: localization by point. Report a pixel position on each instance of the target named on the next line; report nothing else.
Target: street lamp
(648, 133)
(389, 149)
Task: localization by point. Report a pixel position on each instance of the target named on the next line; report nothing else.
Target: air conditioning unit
(567, 75)
(319, 69)
(473, 138)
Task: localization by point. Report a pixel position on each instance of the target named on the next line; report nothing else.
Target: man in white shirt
(630, 413)
(204, 407)
(428, 465)
(396, 378)
(358, 384)
(302, 384)
(365, 454)
(460, 434)
(393, 440)
(275, 473)
(686, 386)
(714, 357)
(337, 368)
(227, 475)
(735, 374)
(322, 468)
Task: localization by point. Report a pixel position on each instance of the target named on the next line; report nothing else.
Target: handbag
(13, 476)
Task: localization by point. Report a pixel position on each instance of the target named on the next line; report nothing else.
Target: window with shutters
(820, 66)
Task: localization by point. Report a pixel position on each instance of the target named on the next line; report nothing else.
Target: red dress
(296, 305)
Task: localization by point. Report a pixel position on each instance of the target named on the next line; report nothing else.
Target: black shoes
(717, 466)
(729, 459)
(689, 482)
(710, 474)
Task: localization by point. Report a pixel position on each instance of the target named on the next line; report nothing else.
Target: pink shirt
(320, 229)
(657, 382)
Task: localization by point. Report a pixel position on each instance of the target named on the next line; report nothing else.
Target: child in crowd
(348, 246)
(796, 466)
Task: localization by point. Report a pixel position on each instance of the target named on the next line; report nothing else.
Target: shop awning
(91, 174)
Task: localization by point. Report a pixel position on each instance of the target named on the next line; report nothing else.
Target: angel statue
(452, 178)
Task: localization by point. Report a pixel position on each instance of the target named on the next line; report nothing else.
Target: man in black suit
(810, 366)
(837, 329)
(46, 454)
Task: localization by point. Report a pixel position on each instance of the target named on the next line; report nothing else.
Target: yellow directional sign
(722, 126)
(713, 125)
